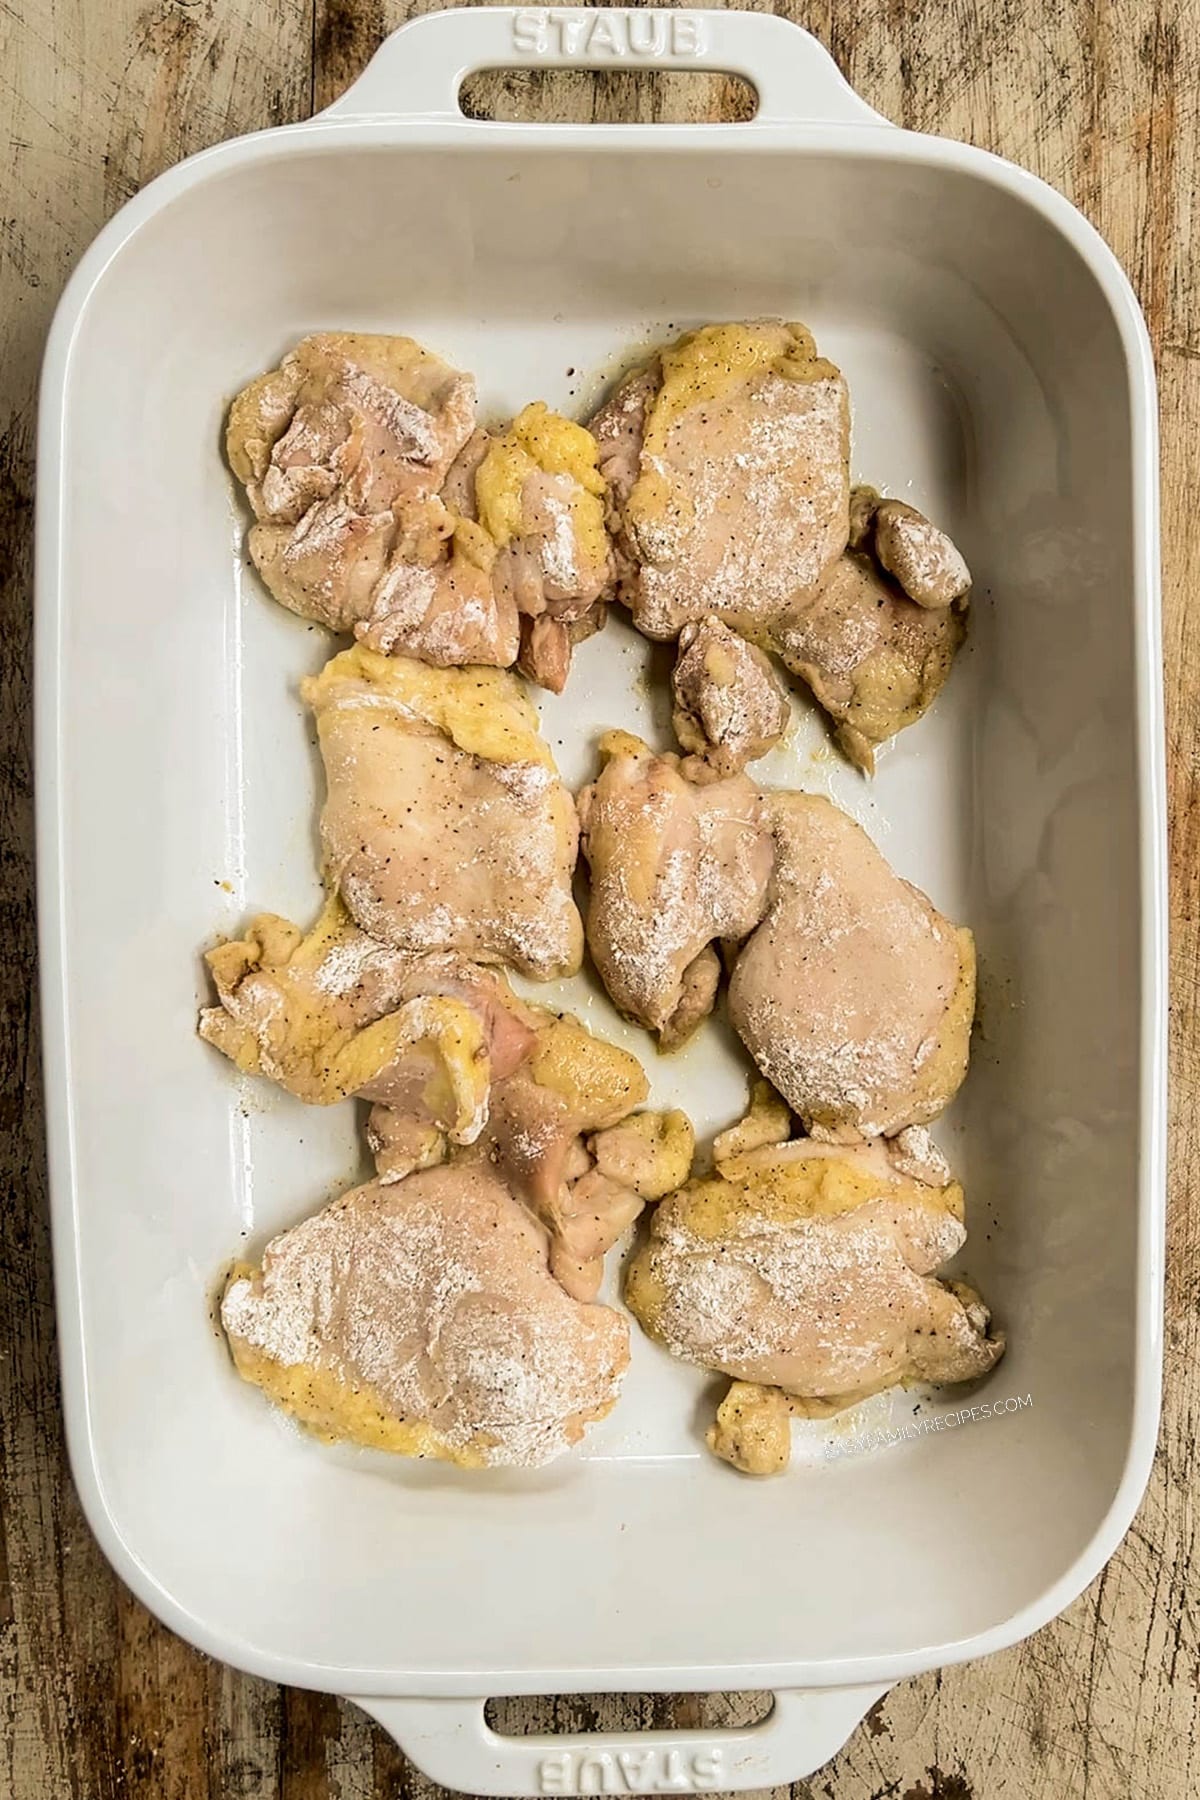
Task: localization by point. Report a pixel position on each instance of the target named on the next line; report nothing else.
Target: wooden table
(97, 1701)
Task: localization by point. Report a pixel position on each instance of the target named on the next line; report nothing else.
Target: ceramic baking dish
(1002, 379)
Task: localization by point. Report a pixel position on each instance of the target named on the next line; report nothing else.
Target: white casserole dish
(1002, 379)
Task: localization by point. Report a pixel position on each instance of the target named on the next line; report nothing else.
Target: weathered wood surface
(97, 1701)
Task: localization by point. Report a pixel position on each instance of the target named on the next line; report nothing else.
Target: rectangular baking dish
(1002, 380)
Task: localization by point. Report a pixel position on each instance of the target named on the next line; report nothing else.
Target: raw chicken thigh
(727, 458)
(541, 497)
(876, 647)
(381, 510)
(421, 1317)
(804, 1271)
(342, 451)
(674, 866)
(572, 1083)
(855, 997)
(445, 825)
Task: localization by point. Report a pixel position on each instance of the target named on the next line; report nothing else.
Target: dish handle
(417, 71)
(451, 1742)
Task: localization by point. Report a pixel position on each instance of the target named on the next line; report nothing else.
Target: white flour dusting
(755, 495)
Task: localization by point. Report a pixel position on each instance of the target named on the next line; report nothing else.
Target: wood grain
(99, 1702)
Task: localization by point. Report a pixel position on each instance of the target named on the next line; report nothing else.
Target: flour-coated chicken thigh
(854, 996)
(421, 1316)
(727, 459)
(675, 866)
(877, 641)
(445, 825)
(381, 510)
(805, 1270)
(342, 451)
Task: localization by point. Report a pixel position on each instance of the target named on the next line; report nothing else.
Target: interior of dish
(991, 389)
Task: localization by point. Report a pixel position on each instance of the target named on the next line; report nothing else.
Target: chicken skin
(674, 866)
(855, 997)
(729, 707)
(877, 642)
(421, 1317)
(727, 458)
(803, 1270)
(445, 826)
